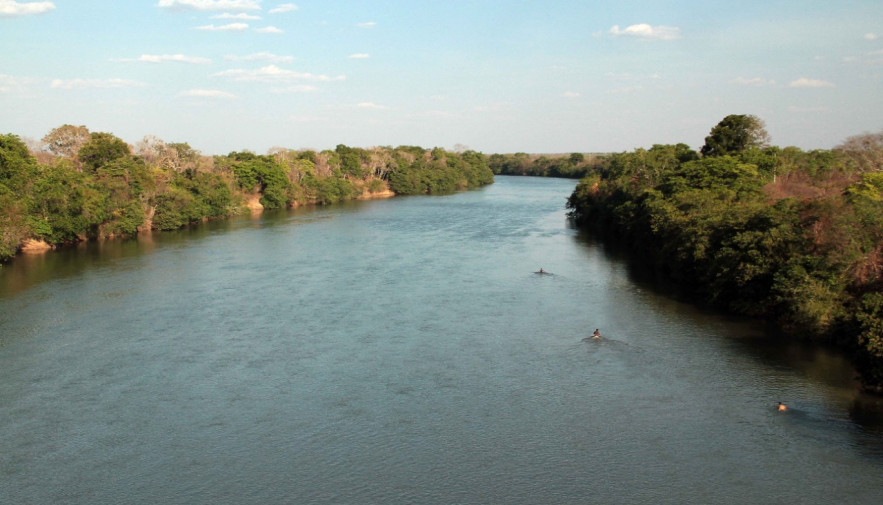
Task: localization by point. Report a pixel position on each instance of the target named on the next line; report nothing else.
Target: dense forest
(77, 185)
(570, 166)
(790, 236)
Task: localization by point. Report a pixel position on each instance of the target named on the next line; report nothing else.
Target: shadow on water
(820, 363)
(28, 270)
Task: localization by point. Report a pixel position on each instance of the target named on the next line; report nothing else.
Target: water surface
(404, 352)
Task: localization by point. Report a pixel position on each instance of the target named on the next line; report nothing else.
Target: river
(403, 351)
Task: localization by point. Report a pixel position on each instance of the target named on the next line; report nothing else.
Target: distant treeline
(78, 185)
(782, 234)
(571, 166)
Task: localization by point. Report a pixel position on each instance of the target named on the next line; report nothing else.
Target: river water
(403, 352)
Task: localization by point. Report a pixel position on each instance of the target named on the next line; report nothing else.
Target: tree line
(570, 166)
(78, 185)
(790, 236)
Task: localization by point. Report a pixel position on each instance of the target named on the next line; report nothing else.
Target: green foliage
(264, 174)
(17, 166)
(734, 134)
(437, 172)
(814, 264)
(13, 223)
(63, 206)
(116, 191)
(573, 166)
(101, 149)
(329, 190)
(190, 199)
(870, 340)
(351, 161)
(869, 189)
(175, 208)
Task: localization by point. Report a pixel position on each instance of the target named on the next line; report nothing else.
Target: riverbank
(106, 188)
(789, 237)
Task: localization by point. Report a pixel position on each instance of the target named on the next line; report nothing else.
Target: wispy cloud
(805, 82)
(9, 83)
(262, 56)
(570, 94)
(367, 24)
(371, 105)
(645, 31)
(872, 36)
(11, 9)
(206, 93)
(753, 81)
(232, 27)
(302, 88)
(269, 29)
(359, 56)
(625, 90)
(241, 16)
(210, 5)
(283, 8)
(178, 58)
(94, 83)
(272, 73)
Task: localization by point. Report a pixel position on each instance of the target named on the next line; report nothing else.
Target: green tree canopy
(734, 134)
(101, 149)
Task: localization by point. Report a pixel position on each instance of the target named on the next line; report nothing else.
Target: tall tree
(734, 134)
(101, 149)
(864, 151)
(66, 140)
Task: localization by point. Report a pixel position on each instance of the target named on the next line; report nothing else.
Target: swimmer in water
(596, 334)
(782, 407)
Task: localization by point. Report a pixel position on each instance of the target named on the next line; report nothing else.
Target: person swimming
(782, 407)
(596, 333)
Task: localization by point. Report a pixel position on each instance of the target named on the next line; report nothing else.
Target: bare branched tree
(866, 151)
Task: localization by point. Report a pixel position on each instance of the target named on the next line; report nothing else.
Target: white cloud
(370, 105)
(754, 81)
(368, 24)
(570, 94)
(804, 82)
(626, 90)
(272, 73)
(206, 93)
(179, 58)
(283, 8)
(94, 83)
(262, 56)
(359, 56)
(9, 83)
(302, 88)
(872, 36)
(211, 5)
(242, 16)
(11, 9)
(645, 31)
(269, 29)
(232, 27)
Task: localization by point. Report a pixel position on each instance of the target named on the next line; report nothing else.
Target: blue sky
(554, 76)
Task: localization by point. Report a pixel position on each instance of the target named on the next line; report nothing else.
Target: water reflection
(828, 368)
